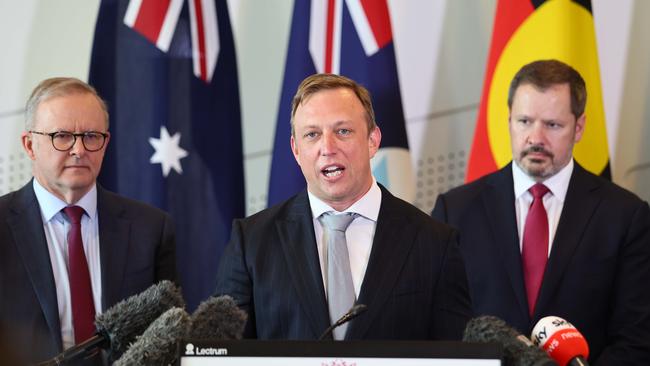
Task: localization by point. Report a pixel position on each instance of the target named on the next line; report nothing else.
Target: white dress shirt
(558, 185)
(359, 234)
(56, 227)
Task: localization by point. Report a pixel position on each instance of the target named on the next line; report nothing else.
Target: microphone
(561, 340)
(158, 344)
(119, 325)
(517, 349)
(354, 312)
(218, 318)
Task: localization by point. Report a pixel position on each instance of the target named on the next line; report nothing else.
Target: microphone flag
(525, 31)
(168, 73)
(351, 38)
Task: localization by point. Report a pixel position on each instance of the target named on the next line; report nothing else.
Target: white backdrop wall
(441, 48)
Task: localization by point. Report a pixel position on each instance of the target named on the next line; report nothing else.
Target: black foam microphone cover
(518, 350)
(218, 318)
(158, 344)
(127, 319)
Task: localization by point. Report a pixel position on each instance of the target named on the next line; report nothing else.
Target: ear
(28, 144)
(294, 149)
(108, 139)
(373, 141)
(580, 127)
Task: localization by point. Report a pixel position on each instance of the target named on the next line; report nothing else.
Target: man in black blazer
(128, 246)
(595, 269)
(405, 267)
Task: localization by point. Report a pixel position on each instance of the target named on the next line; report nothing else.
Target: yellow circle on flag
(562, 30)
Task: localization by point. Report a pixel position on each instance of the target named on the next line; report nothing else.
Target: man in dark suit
(404, 266)
(58, 270)
(587, 258)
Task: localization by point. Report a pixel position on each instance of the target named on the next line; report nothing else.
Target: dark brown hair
(543, 74)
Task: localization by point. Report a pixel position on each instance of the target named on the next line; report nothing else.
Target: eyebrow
(544, 120)
(336, 124)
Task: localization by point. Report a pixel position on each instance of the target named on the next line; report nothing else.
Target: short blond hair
(319, 82)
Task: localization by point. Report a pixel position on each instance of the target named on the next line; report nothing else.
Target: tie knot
(538, 190)
(337, 222)
(74, 213)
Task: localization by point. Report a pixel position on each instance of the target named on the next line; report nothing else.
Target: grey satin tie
(340, 288)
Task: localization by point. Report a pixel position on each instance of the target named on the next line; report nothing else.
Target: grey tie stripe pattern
(340, 288)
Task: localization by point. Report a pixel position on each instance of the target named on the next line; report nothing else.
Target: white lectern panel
(330, 353)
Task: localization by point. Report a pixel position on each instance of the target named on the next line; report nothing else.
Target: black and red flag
(525, 31)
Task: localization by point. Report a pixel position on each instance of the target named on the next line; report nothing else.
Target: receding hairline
(316, 83)
(58, 87)
(351, 93)
(307, 97)
(544, 74)
(540, 88)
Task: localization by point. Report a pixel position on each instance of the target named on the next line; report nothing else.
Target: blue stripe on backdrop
(286, 178)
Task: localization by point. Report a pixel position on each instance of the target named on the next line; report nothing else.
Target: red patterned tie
(83, 310)
(535, 245)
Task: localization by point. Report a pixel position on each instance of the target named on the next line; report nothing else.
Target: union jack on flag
(371, 23)
(156, 21)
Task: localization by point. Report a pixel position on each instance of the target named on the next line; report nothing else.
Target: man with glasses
(70, 249)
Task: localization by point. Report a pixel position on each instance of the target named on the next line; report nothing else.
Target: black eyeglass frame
(74, 138)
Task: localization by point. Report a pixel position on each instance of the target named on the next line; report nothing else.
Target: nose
(536, 134)
(328, 144)
(78, 148)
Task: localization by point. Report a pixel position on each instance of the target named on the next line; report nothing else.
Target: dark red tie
(83, 310)
(535, 245)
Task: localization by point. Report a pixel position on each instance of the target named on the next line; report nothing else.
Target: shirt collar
(558, 184)
(51, 205)
(367, 206)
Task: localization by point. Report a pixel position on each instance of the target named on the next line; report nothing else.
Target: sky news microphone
(354, 312)
(561, 340)
(218, 318)
(518, 350)
(158, 345)
(118, 326)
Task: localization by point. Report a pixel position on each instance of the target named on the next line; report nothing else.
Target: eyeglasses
(64, 141)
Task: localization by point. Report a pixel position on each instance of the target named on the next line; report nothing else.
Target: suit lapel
(26, 223)
(391, 246)
(298, 243)
(579, 205)
(114, 242)
(500, 198)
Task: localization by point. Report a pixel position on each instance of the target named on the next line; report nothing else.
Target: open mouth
(332, 171)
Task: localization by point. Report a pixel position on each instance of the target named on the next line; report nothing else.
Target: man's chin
(536, 169)
(333, 194)
(78, 184)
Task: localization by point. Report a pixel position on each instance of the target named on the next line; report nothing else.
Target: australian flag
(351, 38)
(168, 72)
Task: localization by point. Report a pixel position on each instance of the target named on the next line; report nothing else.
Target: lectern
(338, 353)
